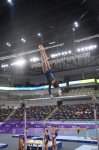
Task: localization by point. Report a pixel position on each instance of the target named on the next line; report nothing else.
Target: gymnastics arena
(49, 75)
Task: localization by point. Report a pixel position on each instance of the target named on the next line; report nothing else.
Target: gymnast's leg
(44, 57)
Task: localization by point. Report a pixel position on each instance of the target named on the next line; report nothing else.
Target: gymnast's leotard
(46, 138)
(50, 78)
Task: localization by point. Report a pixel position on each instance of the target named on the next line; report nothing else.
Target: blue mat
(64, 139)
(20, 135)
(72, 139)
(3, 145)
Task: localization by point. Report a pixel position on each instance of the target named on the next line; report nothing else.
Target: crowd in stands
(64, 112)
(74, 112)
(80, 91)
(33, 113)
(4, 112)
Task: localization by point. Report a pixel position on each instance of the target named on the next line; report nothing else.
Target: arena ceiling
(53, 19)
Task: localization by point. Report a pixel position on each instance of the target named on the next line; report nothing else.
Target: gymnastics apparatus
(65, 99)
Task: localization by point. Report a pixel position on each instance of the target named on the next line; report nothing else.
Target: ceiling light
(23, 40)
(20, 62)
(78, 50)
(65, 53)
(59, 54)
(87, 48)
(10, 2)
(53, 55)
(8, 44)
(52, 43)
(94, 46)
(69, 52)
(91, 47)
(4, 66)
(35, 59)
(76, 24)
(82, 49)
(39, 34)
(73, 29)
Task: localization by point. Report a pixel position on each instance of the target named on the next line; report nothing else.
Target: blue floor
(65, 139)
(87, 147)
(13, 143)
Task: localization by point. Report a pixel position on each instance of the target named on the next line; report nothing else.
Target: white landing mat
(87, 147)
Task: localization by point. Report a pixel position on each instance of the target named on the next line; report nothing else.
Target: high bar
(63, 98)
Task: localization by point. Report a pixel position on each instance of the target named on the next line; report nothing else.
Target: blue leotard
(46, 138)
(50, 78)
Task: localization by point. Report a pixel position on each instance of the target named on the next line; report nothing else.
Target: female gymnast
(78, 131)
(46, 139)
(54, 133)
(48, 71)
(21, 143)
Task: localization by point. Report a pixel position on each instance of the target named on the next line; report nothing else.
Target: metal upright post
(73, 30)
(25, 136)
(95, 119)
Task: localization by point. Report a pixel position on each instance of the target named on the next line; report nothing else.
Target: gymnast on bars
(48, 71)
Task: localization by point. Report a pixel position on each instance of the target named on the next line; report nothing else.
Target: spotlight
(39, 34)
(4, 66)
(20, 62)
(82, 49)
(76, 24)
(91, 47)
(10, 2)
(69, 52)
(87, 48)
(35, 59)
(58, 54)
(53, 55)
(94, 46)
(8, 44)
(23, 40)
(78, 50)
(63, 53)
(73, 29)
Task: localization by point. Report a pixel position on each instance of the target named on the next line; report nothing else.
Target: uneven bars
(62, 98)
